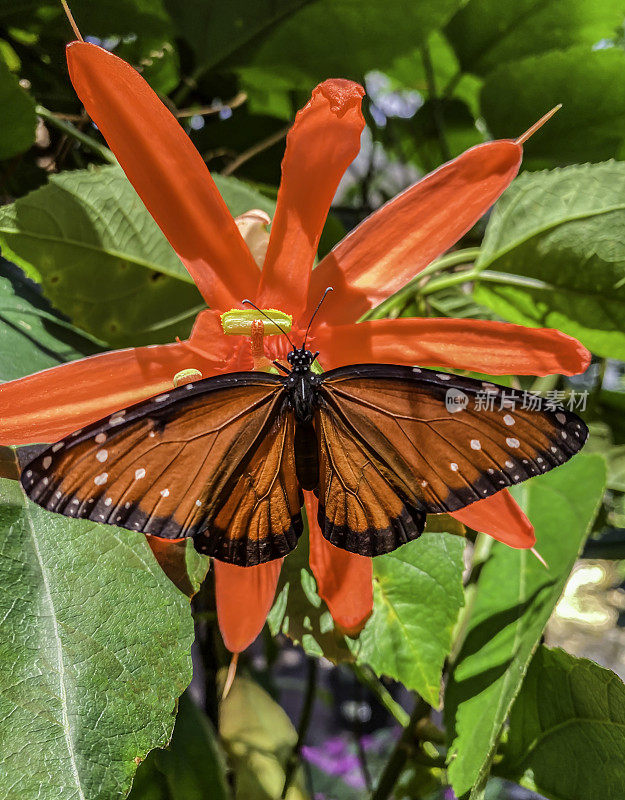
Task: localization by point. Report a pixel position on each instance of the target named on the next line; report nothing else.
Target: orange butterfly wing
(174, 466)
(433, 461)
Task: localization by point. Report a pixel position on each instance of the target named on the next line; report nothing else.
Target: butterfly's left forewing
(170, 465)
(440, 441)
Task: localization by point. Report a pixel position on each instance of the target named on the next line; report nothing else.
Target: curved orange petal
(168, 173)
(244, 598)
(324, 140)
(48, 405)
(497, 348)
(344, 580)
(500, 517)
(396, 242)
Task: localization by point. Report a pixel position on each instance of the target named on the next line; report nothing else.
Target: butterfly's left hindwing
(170, 466)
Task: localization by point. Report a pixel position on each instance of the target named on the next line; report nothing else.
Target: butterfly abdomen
(306, 456)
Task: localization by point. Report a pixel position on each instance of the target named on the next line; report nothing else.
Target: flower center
(268, 331)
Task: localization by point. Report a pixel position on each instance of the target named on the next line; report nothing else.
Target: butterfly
(225, 459)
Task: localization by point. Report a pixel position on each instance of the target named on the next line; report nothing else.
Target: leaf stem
(483, 275)
(72, 131)
(402, 750)
(302, 728)
(453, 259)
(382, 694)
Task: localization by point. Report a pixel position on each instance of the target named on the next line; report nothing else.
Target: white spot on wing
(561, 418)
(46, 462)
(475, 444)
(100, 438)
(444, 376)
(99, 480)
(453, 466)
(509, 464)
(161, 398)
(102, 455)
(108, 501)
(165, 493)
(511, 442)
(139, 473)
(117, 418)
(56, 447)
(509, 419)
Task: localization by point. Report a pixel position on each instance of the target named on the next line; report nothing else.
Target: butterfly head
(300, 359)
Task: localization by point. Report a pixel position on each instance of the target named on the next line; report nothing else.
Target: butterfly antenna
(329, 289)
(260, 311)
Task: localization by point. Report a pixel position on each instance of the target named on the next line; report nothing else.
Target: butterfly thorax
(301, 384)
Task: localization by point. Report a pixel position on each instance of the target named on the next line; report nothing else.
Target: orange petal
(500, 517)
(168, 173)
(497, 348)
(344, 580)
(244, 598)
(322, 143)
(48, 405)
(396, 242)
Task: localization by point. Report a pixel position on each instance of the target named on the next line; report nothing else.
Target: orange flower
(373, 261)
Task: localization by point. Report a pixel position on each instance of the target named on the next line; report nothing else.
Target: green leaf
(515, 597)
(17, 130)
(417, 597)
(299, 613)
(95, 651)
(32, 337)
(567, 729)
(259, 738)
(486, 33)
(191, 768)
(563, 232)
(344, 38)
(215, 30)
(590, 126)
(101, 258)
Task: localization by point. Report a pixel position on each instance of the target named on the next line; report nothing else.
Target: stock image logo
(455, 400)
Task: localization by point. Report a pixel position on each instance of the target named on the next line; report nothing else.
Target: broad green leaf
(344, 38)
(299, 613)
(417, 597)
(191, 768)
(18, 121)
(563, 232)
(94, 654)
(215, 30)
(590, 126)
(259, 738)
(567, 729)
(32, 337)
(486, 33)
(101, 258)
(515, 597)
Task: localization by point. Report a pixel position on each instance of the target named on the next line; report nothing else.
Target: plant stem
(382, 694)
(396, 763)
(72, 131)
(453, 259)
(487, 276)
(302, 728)
(265, 144)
